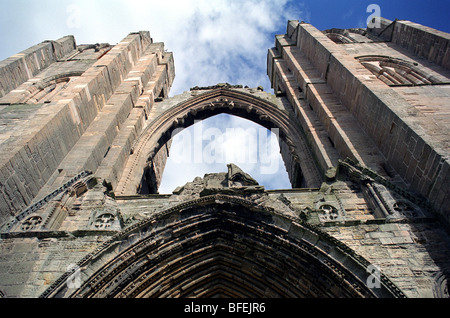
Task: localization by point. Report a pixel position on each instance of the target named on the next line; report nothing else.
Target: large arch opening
(146, 164)
(222, 246)
(209, 145)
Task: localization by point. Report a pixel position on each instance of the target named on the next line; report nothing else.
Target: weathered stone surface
(401, 128)
(86, 134)
(60, 128)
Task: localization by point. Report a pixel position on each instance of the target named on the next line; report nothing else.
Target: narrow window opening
(106, 153)
(331, 141)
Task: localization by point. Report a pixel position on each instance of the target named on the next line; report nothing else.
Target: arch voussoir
(303, 169)
(224, 245)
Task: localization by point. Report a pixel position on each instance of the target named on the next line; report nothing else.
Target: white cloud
(212, 40)
(209, 145)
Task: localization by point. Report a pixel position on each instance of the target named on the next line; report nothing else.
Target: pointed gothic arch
(146, 163)
(222, 246)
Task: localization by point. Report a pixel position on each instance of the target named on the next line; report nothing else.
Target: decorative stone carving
(394, 71)
(236, 226)
(327, 205)
(108, 217)
(387, 199)
(65, 191)
(104, 221)
(405, 209)
(31, 223)
(220, 85)
(328, 212)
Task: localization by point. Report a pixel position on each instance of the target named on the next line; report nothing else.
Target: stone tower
(363, 132)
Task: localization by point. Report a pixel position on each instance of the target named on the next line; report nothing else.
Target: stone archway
(147, 161)
(222, 246)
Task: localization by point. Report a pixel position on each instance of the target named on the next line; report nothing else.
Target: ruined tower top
(389, 82)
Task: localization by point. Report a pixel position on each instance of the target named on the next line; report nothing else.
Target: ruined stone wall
(408, 253)
(87, 139)
(401, 129)
(23, 66)
(423, 41)
(410, 248)
(107, 94)
(29, 265)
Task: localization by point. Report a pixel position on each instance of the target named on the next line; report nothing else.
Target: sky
(213, 41)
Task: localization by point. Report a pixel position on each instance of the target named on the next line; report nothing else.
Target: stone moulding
(406, 74)
(36, 206)
(334, 256)
(223, 85)
(209, 103)
(360, 173)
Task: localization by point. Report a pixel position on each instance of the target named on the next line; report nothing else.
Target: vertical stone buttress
(89, 124)
(400, 131)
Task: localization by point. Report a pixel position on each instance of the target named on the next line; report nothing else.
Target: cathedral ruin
(363, 119)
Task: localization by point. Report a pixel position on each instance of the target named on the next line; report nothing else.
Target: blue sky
(350, 13)
(213, 41)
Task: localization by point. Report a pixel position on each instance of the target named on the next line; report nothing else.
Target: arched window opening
(394, 72)
(209, 145)
(339, 38)
(44, 91)
(343, 36)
